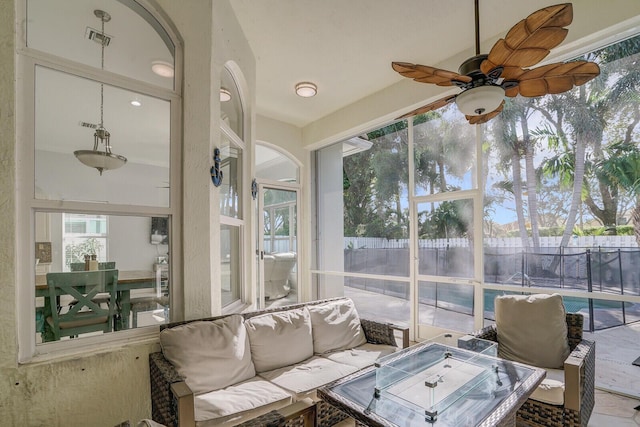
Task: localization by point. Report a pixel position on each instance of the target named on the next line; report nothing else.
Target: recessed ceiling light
(306, 89)
(225, 95)
(136, 103)
(162, 68)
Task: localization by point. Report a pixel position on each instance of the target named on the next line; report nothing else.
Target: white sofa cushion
(209, 354)
(239, 402)
(551, 390)
(336, 326)
(532, 329)
(302, 379)
(280, 339)
(361, 356)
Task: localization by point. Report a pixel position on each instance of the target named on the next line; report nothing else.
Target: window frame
(27, 60)
(238, 221)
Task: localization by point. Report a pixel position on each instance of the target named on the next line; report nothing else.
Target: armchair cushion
(336, 326)
(280, 339)
(532, 329)
(551, 390)
(209, 354)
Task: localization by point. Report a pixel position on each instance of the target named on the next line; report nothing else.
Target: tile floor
(614, 410)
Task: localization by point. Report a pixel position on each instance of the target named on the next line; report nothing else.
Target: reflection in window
(231, 165)
(231, 189)
(445, 231)
(444, 152)
(446, 305)
(67, 109)
(119, 243)
(231, 111)
(275, 166)
(135, 38)
(230, 244)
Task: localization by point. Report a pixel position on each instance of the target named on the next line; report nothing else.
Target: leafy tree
(622, 169)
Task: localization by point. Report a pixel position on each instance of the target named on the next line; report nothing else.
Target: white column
(330, 221)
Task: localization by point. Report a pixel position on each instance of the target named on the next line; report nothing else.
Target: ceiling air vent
(97, 36)
(88, 125)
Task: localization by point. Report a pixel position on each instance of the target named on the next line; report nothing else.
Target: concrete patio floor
(616, 348)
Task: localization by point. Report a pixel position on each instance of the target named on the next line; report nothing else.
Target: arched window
(101, 152)
(232, 215)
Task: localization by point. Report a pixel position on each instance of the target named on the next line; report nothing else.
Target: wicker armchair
(579, 372)
(172, 402)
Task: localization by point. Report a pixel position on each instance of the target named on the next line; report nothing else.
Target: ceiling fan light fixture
(480, 100)
(306, 89)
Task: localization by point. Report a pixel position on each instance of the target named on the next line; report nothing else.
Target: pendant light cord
(102, 68)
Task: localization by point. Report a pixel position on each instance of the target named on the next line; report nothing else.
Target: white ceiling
(346, 46)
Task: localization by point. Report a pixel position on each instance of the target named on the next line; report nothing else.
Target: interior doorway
(278, 244)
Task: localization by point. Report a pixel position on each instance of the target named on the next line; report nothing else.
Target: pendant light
(101, 160)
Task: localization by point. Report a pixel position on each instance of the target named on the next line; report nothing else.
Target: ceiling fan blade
(556, 78)
(477, 120)
(530, 40)
(426, 74)
(430, 107)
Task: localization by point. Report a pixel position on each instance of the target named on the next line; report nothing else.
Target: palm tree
(510, 151)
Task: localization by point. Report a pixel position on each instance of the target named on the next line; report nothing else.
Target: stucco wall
(107, 387)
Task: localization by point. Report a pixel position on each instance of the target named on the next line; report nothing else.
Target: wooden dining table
(128, 280)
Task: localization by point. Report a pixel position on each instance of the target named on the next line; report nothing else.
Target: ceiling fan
(486, 79)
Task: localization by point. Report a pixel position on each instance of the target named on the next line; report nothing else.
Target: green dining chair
(107, 265)
(86, 315)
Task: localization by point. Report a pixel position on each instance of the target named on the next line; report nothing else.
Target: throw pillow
(210, 355)
(335, 326)
(280, 339)
(532, 329)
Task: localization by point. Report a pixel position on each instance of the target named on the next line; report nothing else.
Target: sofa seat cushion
(551, 390)
(532, 329)
(280, 339)
(361, 356)
(239, 402)
(209, 354)
(302, 379)
(336, 326)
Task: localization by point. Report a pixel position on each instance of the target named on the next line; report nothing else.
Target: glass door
(277, 244)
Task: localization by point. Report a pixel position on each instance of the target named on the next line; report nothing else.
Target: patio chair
(86, 315)
(535, 330)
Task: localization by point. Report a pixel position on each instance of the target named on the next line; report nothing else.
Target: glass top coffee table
(433, 384)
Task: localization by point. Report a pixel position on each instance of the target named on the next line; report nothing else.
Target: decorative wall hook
(216, 172)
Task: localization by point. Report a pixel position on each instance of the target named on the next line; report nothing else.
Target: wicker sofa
(576, 394)
(261, 368)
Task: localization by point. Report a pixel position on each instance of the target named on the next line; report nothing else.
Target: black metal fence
(600, 270)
